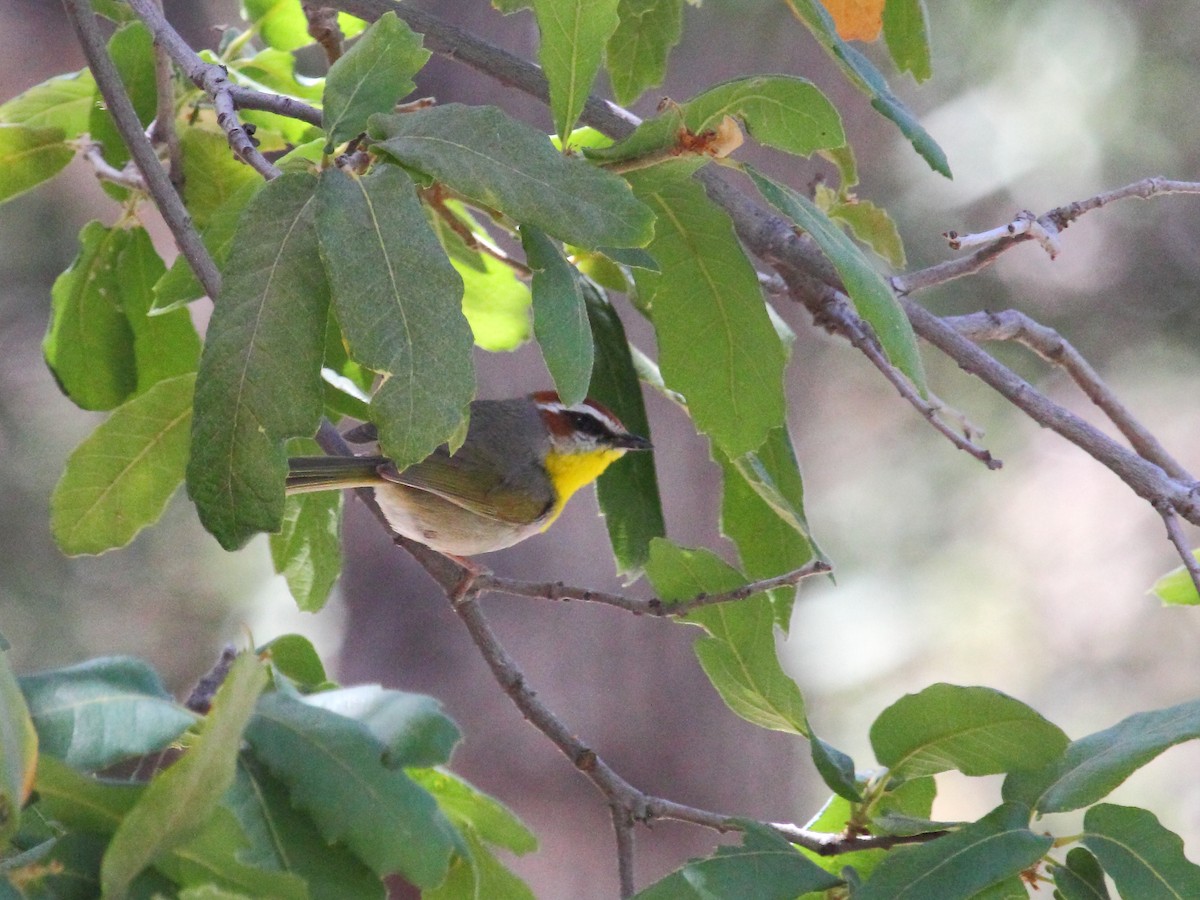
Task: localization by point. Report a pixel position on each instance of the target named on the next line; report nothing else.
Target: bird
(521, 461)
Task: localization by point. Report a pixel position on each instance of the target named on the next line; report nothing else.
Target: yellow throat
(571, 471)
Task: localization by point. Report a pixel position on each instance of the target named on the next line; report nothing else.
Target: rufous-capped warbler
(521, 461)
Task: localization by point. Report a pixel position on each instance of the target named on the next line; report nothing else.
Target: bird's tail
(325, 473)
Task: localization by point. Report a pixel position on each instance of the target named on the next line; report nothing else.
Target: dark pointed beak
(633, 442)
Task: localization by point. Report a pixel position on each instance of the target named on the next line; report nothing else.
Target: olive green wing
(517, 492)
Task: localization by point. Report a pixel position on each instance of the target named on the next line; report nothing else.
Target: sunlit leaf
(120, 478)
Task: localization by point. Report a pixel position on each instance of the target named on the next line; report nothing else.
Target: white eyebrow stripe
(610, 422)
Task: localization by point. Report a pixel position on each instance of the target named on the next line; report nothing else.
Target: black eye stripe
(588, 424)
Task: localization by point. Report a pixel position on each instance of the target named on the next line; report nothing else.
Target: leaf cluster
(289, 787)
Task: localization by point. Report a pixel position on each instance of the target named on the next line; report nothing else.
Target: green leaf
(628, 491)
(962, 864)
(779, 111)
(295, 657)
(371, 77)
(178, 801)
(120, 478)
(976, 730)
(560, 318)
(863, 75)
(413, 728)
(64, 102)
(90, 805)
(1176, 588)
(132, 50)
(912, 798)
(89, 342)
(72, 868)
(478, 874)
(1144, 859)
(179, 285)
(164, 345)
(764, 867)
(906, 31)
(469, 809)
(18, 751)
(573, 35)
(739, 655)
(334, 770)
(870, 225)
(215, 857)
(281, 23)
(307, 549)
(492, 159)
(869, 293)
(1081, 878)
(274, 71)
(212, 174)
(762, 512)
(284, 838)
(259, 380)
(835, 767)
(398, 300)
(81, 802)
(1093, 766)
(716, 343)
(99, 712)
(637, 51)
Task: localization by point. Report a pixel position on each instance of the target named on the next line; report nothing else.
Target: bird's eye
(586, 424)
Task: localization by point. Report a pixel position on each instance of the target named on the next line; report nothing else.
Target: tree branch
(1146, 479)
(556, 590)
(1012, 325)
(166, 198)
(1027, 227)
(623, 829)
(210, 78)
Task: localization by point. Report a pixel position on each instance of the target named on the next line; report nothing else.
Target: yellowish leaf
(856, 20)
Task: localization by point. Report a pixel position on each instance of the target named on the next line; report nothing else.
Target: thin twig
(1145, 478)
(1027, 227)
(166, 198)
(831, 310)
(162, 129)
(210, 78)
(556, 590)
(127, 176)
(1013, 325)
(623, 830)
(1177, 539)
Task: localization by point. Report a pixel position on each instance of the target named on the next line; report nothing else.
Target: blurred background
(1031, 580)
